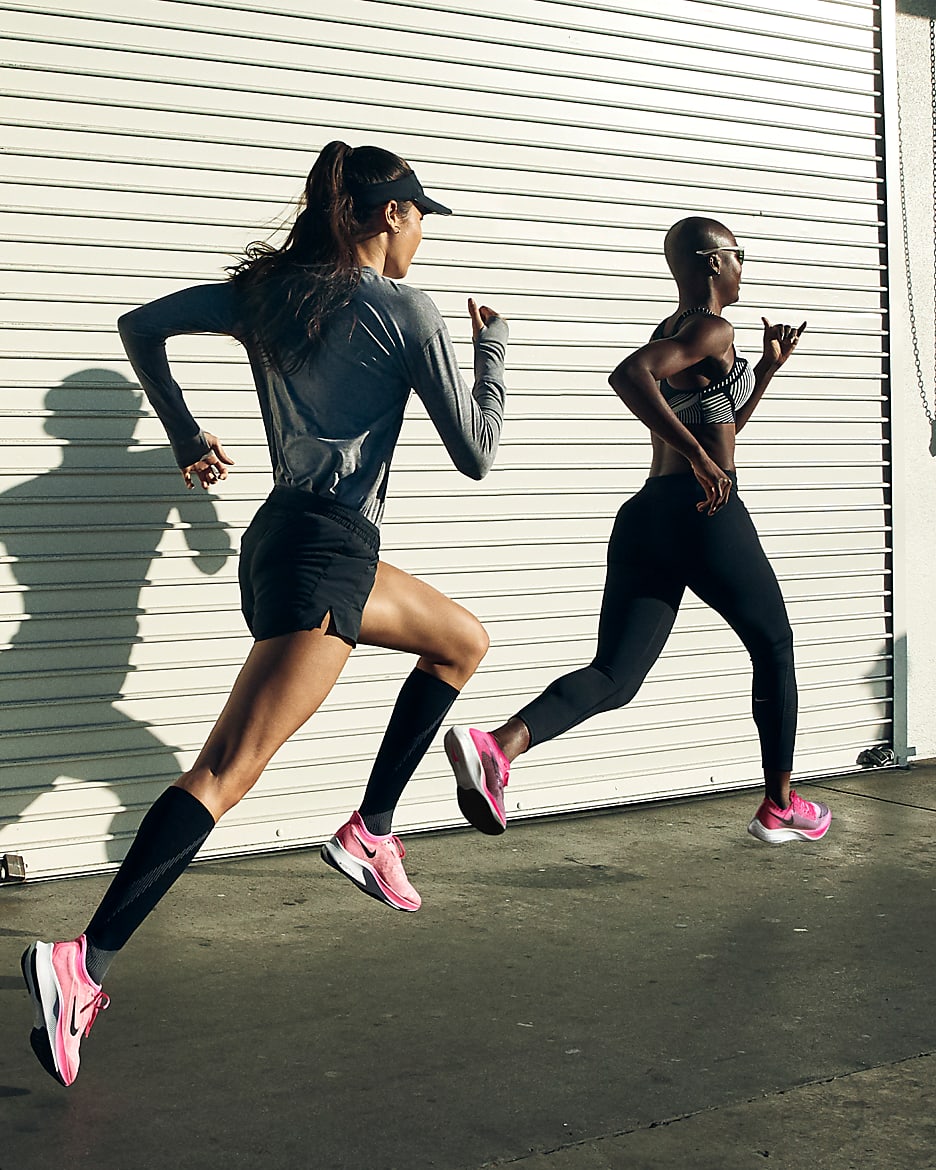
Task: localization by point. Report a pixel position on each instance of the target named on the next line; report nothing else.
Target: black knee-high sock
(169, 836)
(422, 704)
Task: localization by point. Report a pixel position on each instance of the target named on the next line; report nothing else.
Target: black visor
(407, 187)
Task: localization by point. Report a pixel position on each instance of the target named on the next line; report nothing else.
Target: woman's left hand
(780, 341)
(480, 316)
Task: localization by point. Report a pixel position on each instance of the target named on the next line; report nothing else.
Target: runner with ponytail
(335, 345)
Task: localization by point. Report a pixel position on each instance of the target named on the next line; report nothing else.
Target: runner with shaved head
(686, 528)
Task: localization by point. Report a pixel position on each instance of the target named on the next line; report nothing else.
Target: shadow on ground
(578, 978)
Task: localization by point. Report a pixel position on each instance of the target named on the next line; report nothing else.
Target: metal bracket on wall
(877, 757)
(12, 868)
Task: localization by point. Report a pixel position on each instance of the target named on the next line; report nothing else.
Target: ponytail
(292, 291)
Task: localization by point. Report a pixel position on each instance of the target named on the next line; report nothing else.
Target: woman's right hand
(780, 341)
(479, 317)
(715, 483)
(212, 466)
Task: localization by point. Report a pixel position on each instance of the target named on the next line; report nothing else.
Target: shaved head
(689, 236)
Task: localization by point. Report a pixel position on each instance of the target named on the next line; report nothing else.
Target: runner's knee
(471, 643)
(466, 643)
(771, 649)
(223, 775)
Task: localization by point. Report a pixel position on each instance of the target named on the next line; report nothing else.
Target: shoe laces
(401, 852)
(802, 807)
(98, 1003)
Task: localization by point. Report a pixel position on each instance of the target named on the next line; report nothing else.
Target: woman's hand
(211, 467)
(479, 317)
(780, 341)
(715, 483)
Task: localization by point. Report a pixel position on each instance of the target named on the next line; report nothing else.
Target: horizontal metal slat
(809, 14)
(318, 67)
(468, 37)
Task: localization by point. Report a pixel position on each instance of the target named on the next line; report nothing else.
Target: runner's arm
(205, 308)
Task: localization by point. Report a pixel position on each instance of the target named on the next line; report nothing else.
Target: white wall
(914, 465)
(144, 145)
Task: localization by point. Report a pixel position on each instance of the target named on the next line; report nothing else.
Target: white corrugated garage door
(143, 150)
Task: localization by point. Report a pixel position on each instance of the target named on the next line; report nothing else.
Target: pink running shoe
(374, 864)
(66, 1003)
(482, 771)
(804, 819)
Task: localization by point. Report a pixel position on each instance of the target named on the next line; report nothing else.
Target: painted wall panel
(143, 150)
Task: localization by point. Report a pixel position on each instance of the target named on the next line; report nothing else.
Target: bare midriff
(718, 440)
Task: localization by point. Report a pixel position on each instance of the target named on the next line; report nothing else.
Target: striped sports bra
(719, 401)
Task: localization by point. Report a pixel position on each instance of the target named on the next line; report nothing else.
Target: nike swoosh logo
(369, 852)
(71, 1026)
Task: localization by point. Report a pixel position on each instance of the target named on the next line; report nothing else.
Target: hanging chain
(928, 410)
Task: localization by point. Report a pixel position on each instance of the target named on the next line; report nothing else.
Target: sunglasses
(712, 251)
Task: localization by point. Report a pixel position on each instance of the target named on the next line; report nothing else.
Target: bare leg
(777, 786)
(404, 613)
(282, 683)
(285, 679)
(513, 737)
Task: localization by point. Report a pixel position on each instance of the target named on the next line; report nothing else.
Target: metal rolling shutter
(144, 147)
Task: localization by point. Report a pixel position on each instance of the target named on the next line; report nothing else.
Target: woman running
(335, 345)
(685, 528)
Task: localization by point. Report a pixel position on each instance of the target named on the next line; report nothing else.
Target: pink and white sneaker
(66, 1002)
(805, 820)
(482, 772)
(374, 864)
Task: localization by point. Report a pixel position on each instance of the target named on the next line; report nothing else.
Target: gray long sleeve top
(332, 426)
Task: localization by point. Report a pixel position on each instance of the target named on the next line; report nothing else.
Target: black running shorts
(304, 557)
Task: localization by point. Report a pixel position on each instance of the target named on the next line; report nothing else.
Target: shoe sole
(778, 836)
(39, 1038)
(477, 805)
(363, 876)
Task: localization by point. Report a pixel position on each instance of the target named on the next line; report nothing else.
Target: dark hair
(290, 292)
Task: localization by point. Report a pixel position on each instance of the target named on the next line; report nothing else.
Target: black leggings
(661, 545)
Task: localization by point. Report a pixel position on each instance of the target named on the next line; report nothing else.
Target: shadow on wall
(81, 538)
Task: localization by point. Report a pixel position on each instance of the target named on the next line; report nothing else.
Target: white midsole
(348, 863)
(38, 1014)
(466, 763)
(775, 836)
(49, 992)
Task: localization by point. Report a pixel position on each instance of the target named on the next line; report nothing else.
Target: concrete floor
(649, 988)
